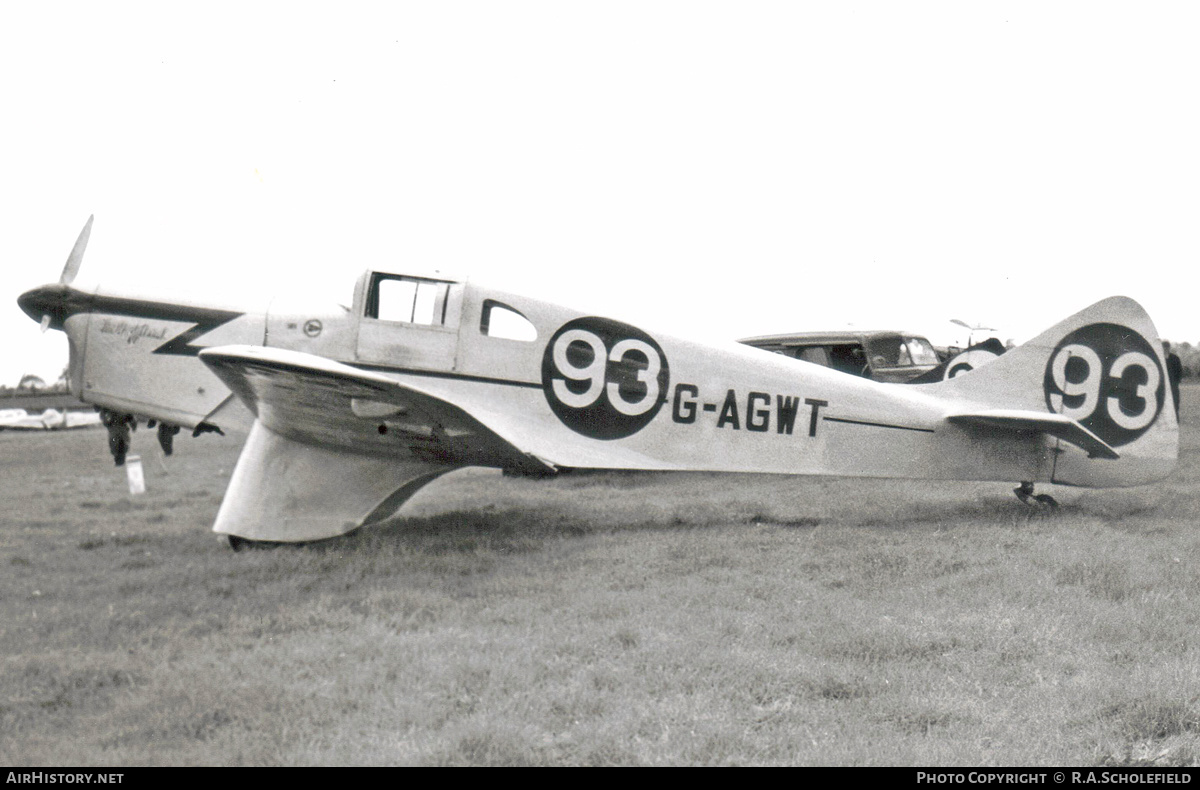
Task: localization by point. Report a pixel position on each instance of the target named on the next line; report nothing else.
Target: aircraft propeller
(972, 328)
(74, 260)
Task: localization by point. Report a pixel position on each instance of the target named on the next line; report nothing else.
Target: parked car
(880, 355)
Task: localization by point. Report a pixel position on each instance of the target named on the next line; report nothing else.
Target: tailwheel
(1025, 493)
(1047, 500)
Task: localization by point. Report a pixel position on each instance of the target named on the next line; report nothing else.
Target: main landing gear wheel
(1025, 493)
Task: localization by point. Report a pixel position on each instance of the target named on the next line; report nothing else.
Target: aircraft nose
(48, 300)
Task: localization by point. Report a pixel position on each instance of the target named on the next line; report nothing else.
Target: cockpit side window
(500, 320)
(887, 351)
(848, 359)
(818, 355)
(410, 300)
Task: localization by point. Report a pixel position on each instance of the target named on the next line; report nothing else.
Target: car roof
(825, 338)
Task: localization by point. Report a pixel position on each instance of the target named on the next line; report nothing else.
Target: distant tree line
(1189, 355)
(30, 384)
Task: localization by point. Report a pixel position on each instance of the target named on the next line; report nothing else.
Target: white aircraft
(11, 417)
(49, 420)
(352, 410)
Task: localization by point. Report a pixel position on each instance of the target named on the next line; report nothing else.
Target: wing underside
(313, 400)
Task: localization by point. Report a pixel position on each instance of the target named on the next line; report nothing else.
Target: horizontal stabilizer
(1056, 425)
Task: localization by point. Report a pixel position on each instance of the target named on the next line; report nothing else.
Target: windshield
(921, 351)
(894, 351)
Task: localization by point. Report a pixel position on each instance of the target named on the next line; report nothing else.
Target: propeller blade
(76, 257)
(973, 327)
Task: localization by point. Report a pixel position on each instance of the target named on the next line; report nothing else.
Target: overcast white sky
(723, 169)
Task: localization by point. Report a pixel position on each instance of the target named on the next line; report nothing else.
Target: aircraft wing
(19, 419)
(1056, 425)
(316, 401)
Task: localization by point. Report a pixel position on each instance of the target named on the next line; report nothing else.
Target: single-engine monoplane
(48, 420)
(352, 409)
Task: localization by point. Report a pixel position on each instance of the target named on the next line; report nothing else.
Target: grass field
(599, 619)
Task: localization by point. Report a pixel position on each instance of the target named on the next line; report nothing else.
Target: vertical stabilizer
(1103, 371)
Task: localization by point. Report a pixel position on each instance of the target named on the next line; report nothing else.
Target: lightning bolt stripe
(205, 319)
(181, 345)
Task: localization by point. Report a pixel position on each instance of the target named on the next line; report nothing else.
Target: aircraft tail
(1096, 384)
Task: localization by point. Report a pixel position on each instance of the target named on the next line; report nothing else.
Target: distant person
(1174, 373)
(118, 426)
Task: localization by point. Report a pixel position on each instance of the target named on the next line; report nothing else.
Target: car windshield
(921, 351)
(895, 351)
